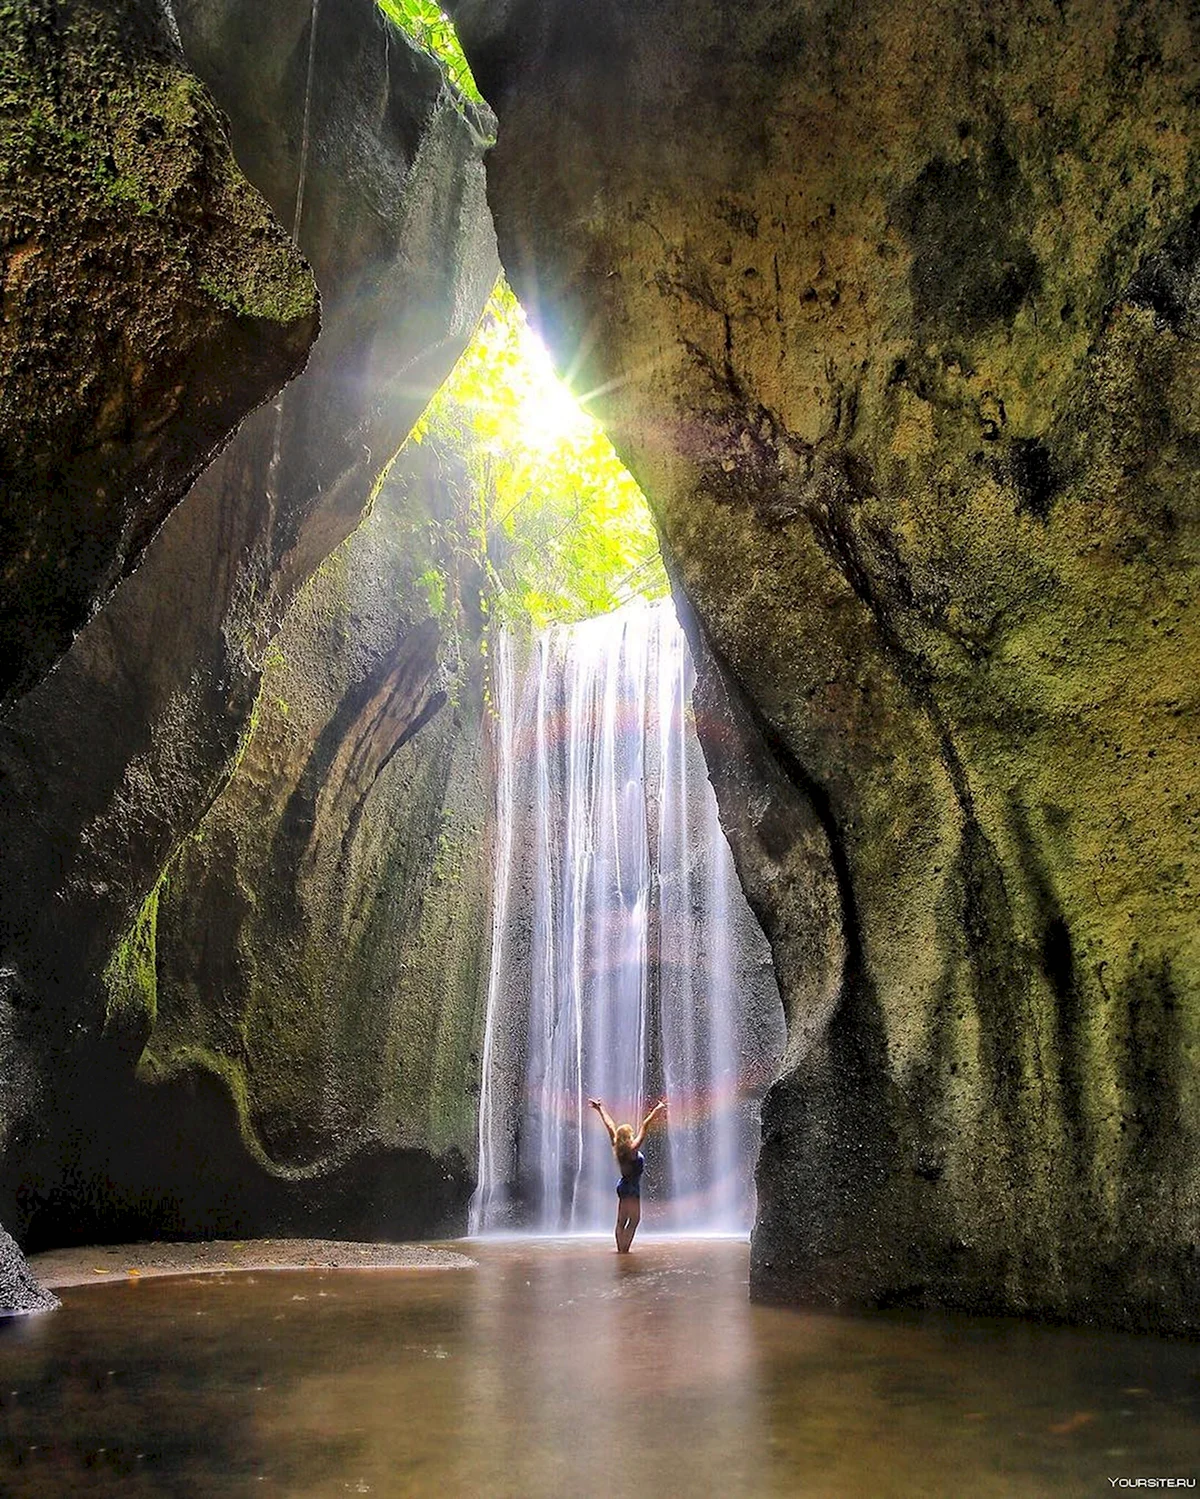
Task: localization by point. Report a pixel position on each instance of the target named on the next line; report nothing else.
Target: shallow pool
(557, 1368)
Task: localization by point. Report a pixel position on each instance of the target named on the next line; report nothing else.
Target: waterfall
(625, 963)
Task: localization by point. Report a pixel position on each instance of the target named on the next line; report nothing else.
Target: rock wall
(892, 311)
(320, 941)
(137, 261)
(352, 137)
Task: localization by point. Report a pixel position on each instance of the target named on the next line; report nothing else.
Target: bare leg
(629, 1217)
(622, 1233)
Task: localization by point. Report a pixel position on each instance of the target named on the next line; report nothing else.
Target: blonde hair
(623, 1142)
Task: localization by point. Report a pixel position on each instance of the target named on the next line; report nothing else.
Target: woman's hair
(623, 1142)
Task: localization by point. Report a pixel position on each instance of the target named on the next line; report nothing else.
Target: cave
(890, 314)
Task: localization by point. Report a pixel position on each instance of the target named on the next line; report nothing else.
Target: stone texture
(19, 1291)
(321, 941)
(892, 312)
(137, 263)
(114, 760)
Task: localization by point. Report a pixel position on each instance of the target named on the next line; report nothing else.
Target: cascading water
(625, 963)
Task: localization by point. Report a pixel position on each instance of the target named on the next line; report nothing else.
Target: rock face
(893, 314)
(138, 263)
(320, 942)
(352, 136)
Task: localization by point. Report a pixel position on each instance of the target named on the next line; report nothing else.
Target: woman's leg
(633, 1216)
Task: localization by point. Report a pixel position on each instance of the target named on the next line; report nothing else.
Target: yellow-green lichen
(192, 1058)
(130, 980)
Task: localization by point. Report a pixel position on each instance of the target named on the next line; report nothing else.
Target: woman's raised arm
(606, 1117)
(659, 1108)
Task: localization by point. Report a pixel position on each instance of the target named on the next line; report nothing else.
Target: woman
(627, 1149)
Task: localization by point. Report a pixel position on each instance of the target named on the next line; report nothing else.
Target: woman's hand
(595, 1103)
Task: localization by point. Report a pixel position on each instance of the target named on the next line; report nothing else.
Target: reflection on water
(559, 1368)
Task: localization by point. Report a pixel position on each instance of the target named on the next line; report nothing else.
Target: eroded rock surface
(151, 299)
(353, 139)
(892, 312)
(320, 943)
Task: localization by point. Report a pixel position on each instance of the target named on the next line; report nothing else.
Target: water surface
(558, 1368)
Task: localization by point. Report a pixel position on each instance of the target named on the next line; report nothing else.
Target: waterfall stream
(625, 963)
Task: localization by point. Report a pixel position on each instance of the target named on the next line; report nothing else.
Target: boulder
(20, 1293)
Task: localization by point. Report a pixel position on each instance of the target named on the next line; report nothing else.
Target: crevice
(856, 1026)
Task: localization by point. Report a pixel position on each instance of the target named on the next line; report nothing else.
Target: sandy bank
(56, 1268)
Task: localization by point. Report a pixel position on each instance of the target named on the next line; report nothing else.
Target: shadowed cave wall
(150, 300)
(320, 943)
(111, 762)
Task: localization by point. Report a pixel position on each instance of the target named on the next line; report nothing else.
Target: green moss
(261, 290)
(131, 980)
(249, 729)
(190, 1058)
(112, 130)
(127, 189)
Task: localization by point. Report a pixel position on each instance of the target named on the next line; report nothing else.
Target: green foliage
(431, 28)
(432, 584)
(559, 524)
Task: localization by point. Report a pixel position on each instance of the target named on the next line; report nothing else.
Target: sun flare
(568, 531)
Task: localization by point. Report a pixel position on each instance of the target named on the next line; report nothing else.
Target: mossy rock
(891, 311)
(136, 261)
